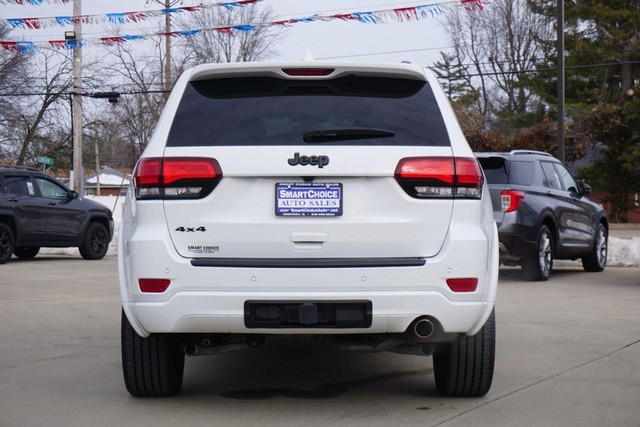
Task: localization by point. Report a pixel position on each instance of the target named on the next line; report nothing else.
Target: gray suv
(543, 214)
(37, 211)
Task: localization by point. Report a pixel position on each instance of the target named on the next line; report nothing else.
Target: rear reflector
(510, 200)
(154, 285)
(176, 177)
(440, 177)
(308, 71)
(469, 284)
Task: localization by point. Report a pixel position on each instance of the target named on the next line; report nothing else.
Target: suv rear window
(274, 111)
(494, 169)
(498, 170)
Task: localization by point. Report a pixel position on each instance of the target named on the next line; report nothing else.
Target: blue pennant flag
(72, 43)
(366, 17)
(230, 5)
(307, 19)
(244, 27)
(188, 33)
(63, 21)
(26, 47)
(116, 18)
(428, 11)
(17, 23)
(130, 37)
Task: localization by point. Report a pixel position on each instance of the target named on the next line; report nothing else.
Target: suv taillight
(176, 177)
(440, 177)
(510, 200)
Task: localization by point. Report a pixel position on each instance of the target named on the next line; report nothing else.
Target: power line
(384, 53)
(541, 70)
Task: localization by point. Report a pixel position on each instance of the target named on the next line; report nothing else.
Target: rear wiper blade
(323, 135)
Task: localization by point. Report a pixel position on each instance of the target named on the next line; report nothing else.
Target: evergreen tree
(454, 78)
(602, 43)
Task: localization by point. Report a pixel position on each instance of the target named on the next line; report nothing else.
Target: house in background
(111, 182)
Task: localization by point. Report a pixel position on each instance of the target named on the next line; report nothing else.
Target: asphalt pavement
(568, 354)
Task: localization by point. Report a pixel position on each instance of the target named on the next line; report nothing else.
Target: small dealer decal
(203, 249)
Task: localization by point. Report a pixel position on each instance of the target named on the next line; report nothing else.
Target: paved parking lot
(568, 355)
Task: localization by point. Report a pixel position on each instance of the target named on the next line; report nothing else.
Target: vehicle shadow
(310, 369)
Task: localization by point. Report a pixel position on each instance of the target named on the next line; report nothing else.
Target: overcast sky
(418, 41)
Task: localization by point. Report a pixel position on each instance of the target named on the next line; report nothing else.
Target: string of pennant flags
(403, 14)
(34, 2)
(117, 18)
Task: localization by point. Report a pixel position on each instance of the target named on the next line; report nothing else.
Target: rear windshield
(272, 111)
(497, 170)
(494, 169)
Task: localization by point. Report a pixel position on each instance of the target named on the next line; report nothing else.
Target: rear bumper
(223, 312)
(517, 242)
(212, 299)
(515, 248)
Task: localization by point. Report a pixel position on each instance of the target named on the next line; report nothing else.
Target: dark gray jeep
(37, 211)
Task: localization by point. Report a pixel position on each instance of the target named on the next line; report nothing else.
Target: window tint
(497, 170)
(19, 184)
(521, 173)
(494, 169)
(568, 182)
(273, 111)
(552, 179)
(50, 189)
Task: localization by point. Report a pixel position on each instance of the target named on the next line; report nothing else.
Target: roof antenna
(308, 56)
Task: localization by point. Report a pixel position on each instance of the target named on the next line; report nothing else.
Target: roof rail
(29, 168)
(541, 153)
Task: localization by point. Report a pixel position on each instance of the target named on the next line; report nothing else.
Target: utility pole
(167, 43)
(97, 146)
(167, 48)
(77, 97)
(561, 81)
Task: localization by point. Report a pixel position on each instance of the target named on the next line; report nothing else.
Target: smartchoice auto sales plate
(308, 199)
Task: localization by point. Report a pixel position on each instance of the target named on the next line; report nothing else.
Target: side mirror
(585, 189)
(73, 195)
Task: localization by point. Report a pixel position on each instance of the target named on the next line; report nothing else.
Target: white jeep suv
(339, 200)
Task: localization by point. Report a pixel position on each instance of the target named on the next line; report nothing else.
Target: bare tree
(500, 45)
(137, 72)
(55, 81)
(12, 74)
(36, 118)
(232, 45)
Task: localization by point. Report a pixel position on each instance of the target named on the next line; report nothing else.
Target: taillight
(467, 284)
(153, 285)
(440, 177)
(176, 177)
(510, 200)
(308, 71)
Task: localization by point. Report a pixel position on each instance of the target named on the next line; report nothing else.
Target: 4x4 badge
(320, 161)
(190, 229)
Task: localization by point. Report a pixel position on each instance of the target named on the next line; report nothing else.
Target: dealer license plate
(308, 199)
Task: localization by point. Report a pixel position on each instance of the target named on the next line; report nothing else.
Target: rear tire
(596, 261)
(153, 366)
(464, 367)
(95, 243)
(26, 252)
(6, 243)
(538, 268)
